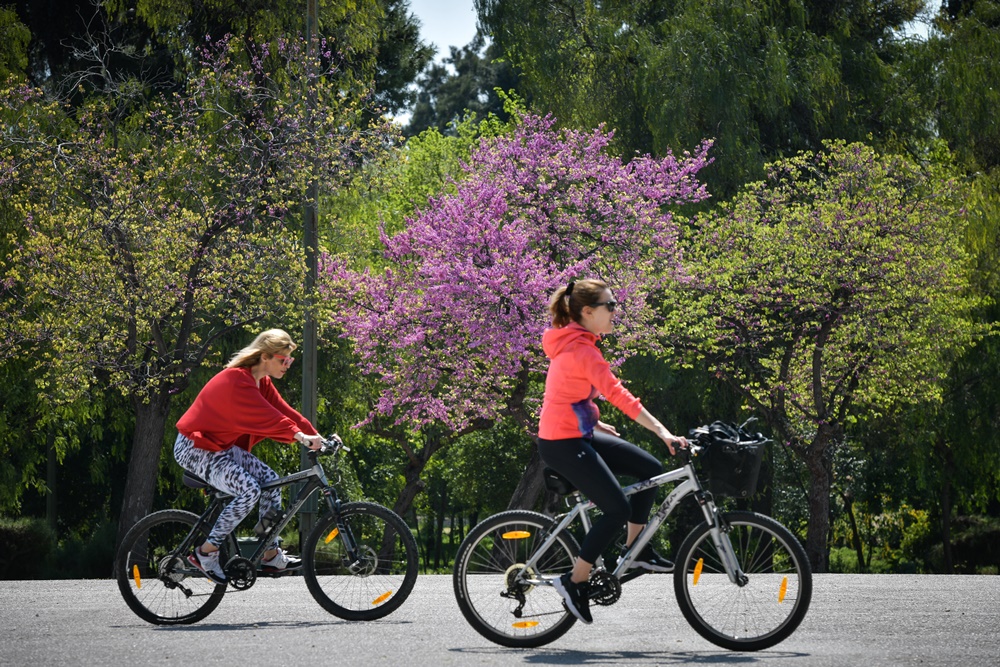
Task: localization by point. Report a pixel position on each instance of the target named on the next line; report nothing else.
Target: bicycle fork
(720, 538)
(354, 559)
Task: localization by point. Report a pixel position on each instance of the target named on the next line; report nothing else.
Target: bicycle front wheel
(362, 564)
(492, 579)
(771, 603)
(153, 574)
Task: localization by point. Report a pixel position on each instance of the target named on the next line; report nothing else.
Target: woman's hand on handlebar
(673, 442)
(310, 441)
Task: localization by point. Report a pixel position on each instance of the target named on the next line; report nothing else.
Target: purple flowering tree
(450, 322)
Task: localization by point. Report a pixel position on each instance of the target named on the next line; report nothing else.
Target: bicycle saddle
(556, 483)
(192, 480)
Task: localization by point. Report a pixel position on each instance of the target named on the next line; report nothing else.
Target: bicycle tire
(768, 608)
(377, 583)
(484, 565)
(161, 590)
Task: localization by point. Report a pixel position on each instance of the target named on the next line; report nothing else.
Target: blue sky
(445, 23)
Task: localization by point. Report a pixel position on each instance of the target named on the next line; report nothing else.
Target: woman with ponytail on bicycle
(234, 411)
(588, 452)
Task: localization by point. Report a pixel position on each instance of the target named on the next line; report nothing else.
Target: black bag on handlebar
(731, 467)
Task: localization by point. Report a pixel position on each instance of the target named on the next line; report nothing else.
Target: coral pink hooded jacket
(578, 373)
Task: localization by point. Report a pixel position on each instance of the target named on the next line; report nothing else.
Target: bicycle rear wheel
(156, 580)
(501, 608)
(759, 614)
(380, 576)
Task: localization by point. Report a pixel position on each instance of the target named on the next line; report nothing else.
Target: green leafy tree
(14, 38)
(149, 234)
(839, 285)
(762, 79)
(465, 83)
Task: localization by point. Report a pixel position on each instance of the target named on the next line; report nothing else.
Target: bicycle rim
(487, 586)
(158, 586)
(772, 603)
(377, 578)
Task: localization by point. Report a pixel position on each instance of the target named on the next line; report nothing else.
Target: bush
(85, 557)
(975, 546)
(27, 547)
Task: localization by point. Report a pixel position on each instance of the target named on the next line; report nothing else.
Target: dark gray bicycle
(742, 580)
(359, 562)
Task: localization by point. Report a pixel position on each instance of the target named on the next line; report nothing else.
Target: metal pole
(310, 215)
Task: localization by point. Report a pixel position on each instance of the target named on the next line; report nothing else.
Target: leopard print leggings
(234, 471)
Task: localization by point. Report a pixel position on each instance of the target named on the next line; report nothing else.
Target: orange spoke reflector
(782, 589)
(135, 575)
(522, 625)
(333, 534)
(516, 535)
(382, 598)
(697, 571)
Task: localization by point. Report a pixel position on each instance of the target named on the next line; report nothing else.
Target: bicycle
(359, 562)
(742, 580)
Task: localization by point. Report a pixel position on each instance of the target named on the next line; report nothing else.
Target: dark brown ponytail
(568, 302)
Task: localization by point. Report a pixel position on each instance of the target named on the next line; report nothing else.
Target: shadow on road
(263, 625)
(571, 657)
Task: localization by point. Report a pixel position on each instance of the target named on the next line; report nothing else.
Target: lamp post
(310, 214)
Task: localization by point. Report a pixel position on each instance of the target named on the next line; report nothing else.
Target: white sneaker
(208, 564)
(280, 562)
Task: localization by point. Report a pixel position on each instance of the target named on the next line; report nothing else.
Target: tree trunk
(817, 533)
(817, 460)
(51, 474)
(529, 488)
(949, 562)
(414, 485)
(144, 461)
(848, 499)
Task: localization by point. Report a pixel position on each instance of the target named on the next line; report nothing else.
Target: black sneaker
(648, 559)
(574, 597)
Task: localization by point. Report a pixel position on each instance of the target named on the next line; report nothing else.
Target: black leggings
(591, 465)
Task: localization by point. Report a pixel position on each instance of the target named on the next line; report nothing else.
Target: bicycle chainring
(605, 589)
(241, 573)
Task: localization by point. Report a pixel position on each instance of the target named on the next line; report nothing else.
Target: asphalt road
(866, 621)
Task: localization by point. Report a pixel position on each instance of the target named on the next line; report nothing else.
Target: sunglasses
(285, 361)
(611, 305)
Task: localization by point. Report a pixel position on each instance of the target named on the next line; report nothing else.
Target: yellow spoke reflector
(382, 598)
(782, 589)
(697, 571)
(135, 575)
(522, 625)
(516, 535)
(333, 534)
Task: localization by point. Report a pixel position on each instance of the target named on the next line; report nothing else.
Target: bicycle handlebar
(332, 446)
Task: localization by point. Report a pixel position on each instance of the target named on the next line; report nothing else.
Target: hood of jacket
(554, 341)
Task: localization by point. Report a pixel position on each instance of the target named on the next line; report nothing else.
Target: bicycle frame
(688, 484)
(313, 478)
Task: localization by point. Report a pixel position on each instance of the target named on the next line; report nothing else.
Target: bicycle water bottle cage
(556, 483)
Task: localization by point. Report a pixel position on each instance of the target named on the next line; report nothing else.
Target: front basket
(732, 469)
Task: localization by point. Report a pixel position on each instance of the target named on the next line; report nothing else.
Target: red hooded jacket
(578, 373)
(232, 411)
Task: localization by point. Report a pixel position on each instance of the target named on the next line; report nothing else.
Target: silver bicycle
(742, 580)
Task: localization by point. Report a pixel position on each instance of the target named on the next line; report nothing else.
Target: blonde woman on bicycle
(573, 441)
(234, 411)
